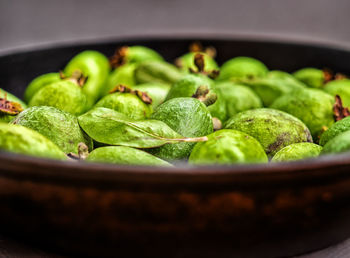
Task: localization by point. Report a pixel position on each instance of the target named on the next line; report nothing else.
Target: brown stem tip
(118, 57)
(339, 112)
(76, 77)
(9, 107)
(199, 62)
(141, 94)
(204, 95)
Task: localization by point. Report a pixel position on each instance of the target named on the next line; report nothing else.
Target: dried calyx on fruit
(339, 112)
(9, 107)
(198, 47)
(118, 57)
(204, 95)
(200, 63)
(76, 77)
(83, 152)
(142, 95)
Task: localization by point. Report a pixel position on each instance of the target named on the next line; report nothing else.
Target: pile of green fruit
(135, 108)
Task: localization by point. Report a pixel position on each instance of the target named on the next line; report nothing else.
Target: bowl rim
(19, 165)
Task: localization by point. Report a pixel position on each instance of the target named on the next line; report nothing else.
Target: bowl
(269, 210)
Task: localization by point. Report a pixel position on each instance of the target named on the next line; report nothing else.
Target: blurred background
(34, 23)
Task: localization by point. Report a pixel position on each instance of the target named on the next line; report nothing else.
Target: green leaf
(111, 127)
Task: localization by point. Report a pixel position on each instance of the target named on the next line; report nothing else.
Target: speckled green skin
(60, 127)
(157, 72)
(297, 151)
(122, 75)
(271, 88)
(242, 68)
(228, 147)
(22, 140)
(38, 83)
(312, 77)
(186, 62)
(125, 156)
(188, 117)
(341, 88)
(188, 85)
(336, 129)
(312, 106)
(237, 98)
(338, 144)
(127, 104)
(96, 67)
(136, 54)
(64, 95)
(274, 129)
(157, 91)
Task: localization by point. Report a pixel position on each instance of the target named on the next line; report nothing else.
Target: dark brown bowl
(128, 211)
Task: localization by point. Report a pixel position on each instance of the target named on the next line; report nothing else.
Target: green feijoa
(269, 89)
(287, 78)
(134, 104)
(228, 147)
(188, 117)
(237, 97)
(60, 127)
(125, 156)
(186, 62)
(64, 95)
(312, 77)
(338, 144)
(274, 129)
(121, 75)
(95, 67)
(10, 97)
(297, 151)
(22, 140)
(335, 129)
(40, 82)
(157, 72)
(312, 106)
(157, 91)
(108, 126)
(242, 68)
(188, 85)
(340, 88)
(133, 54)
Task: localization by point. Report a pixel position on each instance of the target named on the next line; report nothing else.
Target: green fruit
(126, 103)
(271, 88)
(297, 151)
(64, 95)
(338, 144)
(336, 129)
(188, 85)
(341, 88)
(312, 77)
(60, 127)
(186, 62)
(22, 140)
(228, 147)
(237, 98)
(242, 68)
(312, 106)
(95, 66)
(157, 72)
(274, 129)
(124, 155)
(188, 117)
(123, 75)
(137, 54)
(157, 91)
(40, 82)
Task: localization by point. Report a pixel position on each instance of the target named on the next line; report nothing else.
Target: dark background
(35, 23)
